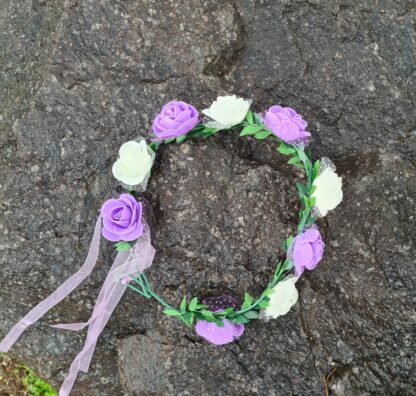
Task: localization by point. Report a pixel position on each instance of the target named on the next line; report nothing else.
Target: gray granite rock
(80, 77)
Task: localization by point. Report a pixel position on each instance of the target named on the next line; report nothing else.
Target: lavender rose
(286, 124)
(122, 219)
(211, 331)
(175, 119)
(307, 250)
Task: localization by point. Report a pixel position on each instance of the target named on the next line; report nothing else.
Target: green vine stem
(250, 309)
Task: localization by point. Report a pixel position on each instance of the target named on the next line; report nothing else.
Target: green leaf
(191, 319)
(286, 149)
(289, 240)
(251, 130)
(264, 304)
(206, 132)
(197, 128)
(268, 292)
(201, 306)
(154, 145)
(183, 304)
(239, 319)
(172, 312)
(221, 314)
(188, 318)
(229, 310)
(279, 265)
(197, 131)
(316, 167)
(193, 304)
(251, 314)
(302, 188)
(248, 298)
(167, 141)
(300, 166)
(249, 117)
(257, 119)
(307, 162)
(181, 139)
(123, 245)
(310, 220)
(247, 301)
(208, 315)
(219, 323)
(294, 160)
(262, 135)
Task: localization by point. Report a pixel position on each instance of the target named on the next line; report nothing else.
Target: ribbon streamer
(126, 263)
(58, 295)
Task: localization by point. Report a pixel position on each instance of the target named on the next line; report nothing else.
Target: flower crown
(218, 319)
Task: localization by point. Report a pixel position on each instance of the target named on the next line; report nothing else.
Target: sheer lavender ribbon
(129, 262)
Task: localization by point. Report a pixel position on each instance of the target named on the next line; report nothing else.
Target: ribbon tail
(108, 298)
(126, 263)
(58, 295)
(71, 326)
(83, 359)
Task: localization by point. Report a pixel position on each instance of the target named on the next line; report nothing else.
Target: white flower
(328, 191)
(284, 296)
(228, 111)
(135, 162)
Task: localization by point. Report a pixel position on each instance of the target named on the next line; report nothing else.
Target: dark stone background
(80, 77)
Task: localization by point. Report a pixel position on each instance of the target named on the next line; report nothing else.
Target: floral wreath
(217, 319)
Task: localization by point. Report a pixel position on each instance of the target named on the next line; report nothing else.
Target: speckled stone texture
(80, 77)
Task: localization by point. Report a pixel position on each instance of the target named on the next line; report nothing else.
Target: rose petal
(283, 297)
(318, 250)
(133, 234)
(302, 124)
(179, 108)
(273, 123)
(289, 131)
(122, 218)
(276, 109)
(228, 110)
(183, 116)
(311, 235)
(219, 335)
(110, 205)
(187, 126)
(292, 112)
(302, 254)
(110, 235)
(168, 123)
(286, 112)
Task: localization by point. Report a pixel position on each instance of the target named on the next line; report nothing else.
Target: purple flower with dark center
(175, 119)
(122, 219)
(211, 331)
(307, 250)
(286, 124)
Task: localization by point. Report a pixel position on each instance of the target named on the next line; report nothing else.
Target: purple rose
(175, 119)
(307, 250)
(286, 124)
(212, 332)
(122, 219)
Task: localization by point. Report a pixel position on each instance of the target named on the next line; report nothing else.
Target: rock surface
(81, 77)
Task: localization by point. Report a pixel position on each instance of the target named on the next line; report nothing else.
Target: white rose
(228, 111)
(328, 191)
(284, 296)
(135, 162)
